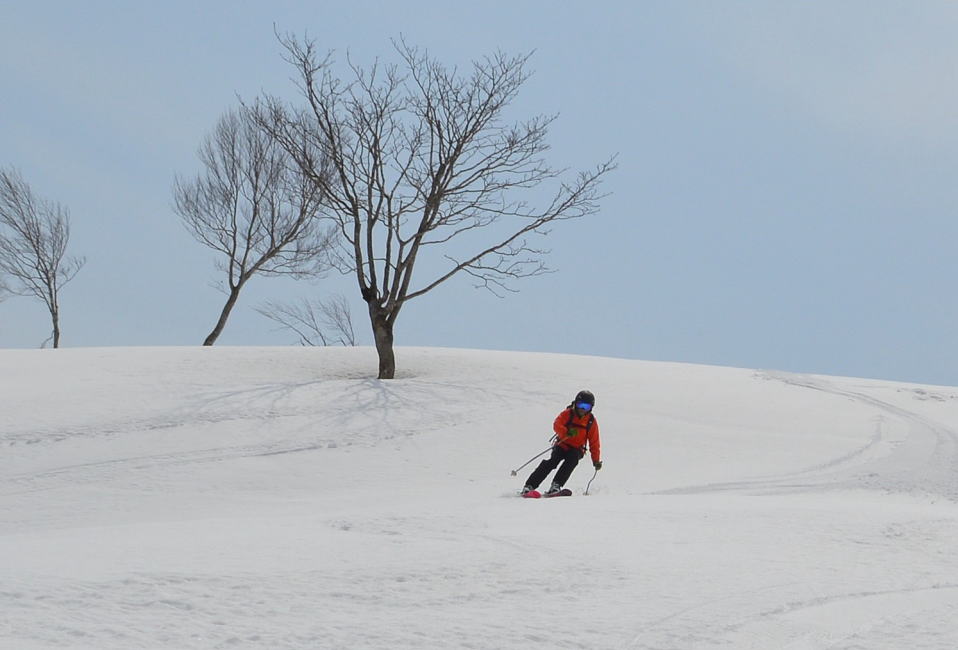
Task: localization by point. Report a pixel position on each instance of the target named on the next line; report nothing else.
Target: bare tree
(315, 322)
(33, 244)
(424, 163)
(254, 207)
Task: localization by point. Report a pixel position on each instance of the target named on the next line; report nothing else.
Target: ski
(535, 494)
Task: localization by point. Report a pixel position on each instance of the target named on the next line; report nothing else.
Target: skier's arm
(594, 444)
(559, 426)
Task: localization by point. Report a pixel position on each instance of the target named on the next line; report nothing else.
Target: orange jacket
(574, 434)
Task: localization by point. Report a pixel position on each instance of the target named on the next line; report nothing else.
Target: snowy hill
(282, 498)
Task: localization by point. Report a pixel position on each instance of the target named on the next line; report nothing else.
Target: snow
(282, 498)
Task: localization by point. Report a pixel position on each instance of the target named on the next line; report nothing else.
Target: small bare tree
(33, 243)
(422, 160)
(253, 206)
(315, 322)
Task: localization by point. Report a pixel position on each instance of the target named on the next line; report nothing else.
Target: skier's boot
(554, 489)
(529, 492)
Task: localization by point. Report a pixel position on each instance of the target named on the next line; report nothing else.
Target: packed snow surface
(284, 498)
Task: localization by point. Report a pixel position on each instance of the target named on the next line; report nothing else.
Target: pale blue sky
(785, 196)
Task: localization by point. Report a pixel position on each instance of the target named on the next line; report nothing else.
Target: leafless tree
(424, 164)
(33, 243)
(315, 322)
(254, 207)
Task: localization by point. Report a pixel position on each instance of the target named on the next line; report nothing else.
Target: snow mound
(284, 498)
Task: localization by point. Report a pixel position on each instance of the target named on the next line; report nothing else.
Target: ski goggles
(583, 406)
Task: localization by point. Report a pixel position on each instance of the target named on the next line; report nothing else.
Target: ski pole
(590, 482)
(531, 459)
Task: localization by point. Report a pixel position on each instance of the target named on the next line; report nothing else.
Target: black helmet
(584, 396)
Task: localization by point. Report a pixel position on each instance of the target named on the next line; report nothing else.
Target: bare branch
(421, 157)
(254, 207)
(34, 234)
(314, 322)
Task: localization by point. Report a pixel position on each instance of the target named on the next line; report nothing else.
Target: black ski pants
(568, 456)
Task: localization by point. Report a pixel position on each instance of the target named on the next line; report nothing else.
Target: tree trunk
(383, 335)
(56, 329)
(224, 316)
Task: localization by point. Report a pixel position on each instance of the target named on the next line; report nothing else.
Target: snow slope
(282, 498)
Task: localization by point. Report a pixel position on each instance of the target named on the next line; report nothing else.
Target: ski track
(261, 409)
(784, 625)
(106, 471)
(922, 463)
(933, 446)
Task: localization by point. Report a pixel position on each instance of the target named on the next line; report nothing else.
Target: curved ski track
(924, 462)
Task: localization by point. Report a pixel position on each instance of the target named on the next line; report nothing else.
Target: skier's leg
(569, 460)
(542, 471)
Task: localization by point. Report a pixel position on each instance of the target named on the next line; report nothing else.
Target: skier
(575, 426)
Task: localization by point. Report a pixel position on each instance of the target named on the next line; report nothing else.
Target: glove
(597, 465)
